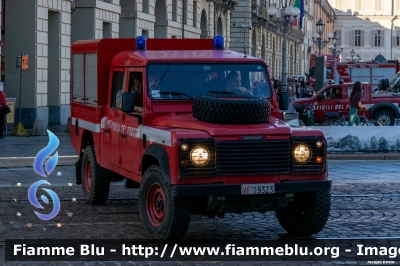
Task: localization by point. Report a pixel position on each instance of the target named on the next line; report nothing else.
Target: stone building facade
(324, 11)
(369, 27)
(45, 29)
(264, 39)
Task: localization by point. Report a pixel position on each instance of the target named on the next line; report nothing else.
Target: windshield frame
(269, 91)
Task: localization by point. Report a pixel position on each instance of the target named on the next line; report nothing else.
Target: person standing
(298, 90)
(355, 104)
(2, 111)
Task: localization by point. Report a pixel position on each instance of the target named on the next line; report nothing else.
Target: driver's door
(329, 101)
(130, 144)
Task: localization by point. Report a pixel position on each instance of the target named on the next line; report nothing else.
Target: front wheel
(371, 123)
(95, 179)
(164, 217)
(332, 122)
(307, 214)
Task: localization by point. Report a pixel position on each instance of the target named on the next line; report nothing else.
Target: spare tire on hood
(231, 109)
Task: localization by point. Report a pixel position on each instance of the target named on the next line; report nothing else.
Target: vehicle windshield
(187, 81)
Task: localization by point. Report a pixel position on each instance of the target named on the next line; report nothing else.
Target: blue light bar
(141, 43)
(219, 42)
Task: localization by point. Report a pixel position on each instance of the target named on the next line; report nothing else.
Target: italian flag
(300, 5)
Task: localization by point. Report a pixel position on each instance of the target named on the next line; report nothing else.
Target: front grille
(253, 157)
(311, 166)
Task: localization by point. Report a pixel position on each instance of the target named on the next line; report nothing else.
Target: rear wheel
(307, 214)
(95, 179)
(385, 117)
(371, 123)
(163, 216)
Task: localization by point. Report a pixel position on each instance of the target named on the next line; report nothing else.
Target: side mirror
(321, 97)
(284, 100)
(128, 102)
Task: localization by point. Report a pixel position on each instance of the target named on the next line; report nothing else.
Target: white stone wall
(42, 11)
(101, 16)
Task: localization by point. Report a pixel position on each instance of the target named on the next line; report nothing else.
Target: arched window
(203, 24)
(195, 13)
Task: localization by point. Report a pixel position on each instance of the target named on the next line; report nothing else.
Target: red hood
(274, 127)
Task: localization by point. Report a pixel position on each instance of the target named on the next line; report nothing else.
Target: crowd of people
(297, 88)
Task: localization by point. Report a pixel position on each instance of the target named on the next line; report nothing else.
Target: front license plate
(249, 189)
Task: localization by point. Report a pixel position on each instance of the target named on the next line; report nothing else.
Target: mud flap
(78, 171)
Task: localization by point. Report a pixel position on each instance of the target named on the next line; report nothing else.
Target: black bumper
(232, 190)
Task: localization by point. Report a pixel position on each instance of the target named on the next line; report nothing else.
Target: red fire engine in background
(371, 72)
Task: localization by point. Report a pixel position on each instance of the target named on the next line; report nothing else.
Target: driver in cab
(233, 83)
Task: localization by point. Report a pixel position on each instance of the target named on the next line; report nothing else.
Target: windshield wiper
(176, 93)
(222, 92)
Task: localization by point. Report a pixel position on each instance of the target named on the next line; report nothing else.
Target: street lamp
(284, 23)
(352, 55)
(335, 51)
(318, 41)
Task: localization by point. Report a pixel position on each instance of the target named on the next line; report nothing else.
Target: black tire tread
(314, 218)
(177, 223)
(246, 110)
(100, 185)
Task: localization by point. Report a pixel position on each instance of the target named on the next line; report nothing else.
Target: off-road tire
(385, 117)
(231, 109)
(97, 194)
(176, 218)
(307, 214)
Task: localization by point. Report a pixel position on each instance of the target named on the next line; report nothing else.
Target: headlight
(199, 156)
(302, 153)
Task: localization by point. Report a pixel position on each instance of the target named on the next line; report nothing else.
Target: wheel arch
(156, 154)
(385, 106)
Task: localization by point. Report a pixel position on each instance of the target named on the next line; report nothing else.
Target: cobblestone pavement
(365, 203)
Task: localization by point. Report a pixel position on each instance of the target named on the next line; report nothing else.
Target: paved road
(368, 214)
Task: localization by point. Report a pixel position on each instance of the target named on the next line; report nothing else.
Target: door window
(117, 89)
(136, 86)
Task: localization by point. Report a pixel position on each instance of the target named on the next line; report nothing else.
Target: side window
(327, 93)
(336, 93)
(350, 88)
(135, 86)
(117, 88)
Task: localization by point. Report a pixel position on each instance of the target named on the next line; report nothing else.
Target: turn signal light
(318, 159)
(184, 163)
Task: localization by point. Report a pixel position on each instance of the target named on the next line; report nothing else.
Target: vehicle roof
(348, 83)
(143, 57)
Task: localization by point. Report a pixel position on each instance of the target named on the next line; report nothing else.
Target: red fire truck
(191, 142)
(371, 72)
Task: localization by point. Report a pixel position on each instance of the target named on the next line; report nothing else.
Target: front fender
(157, 154)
